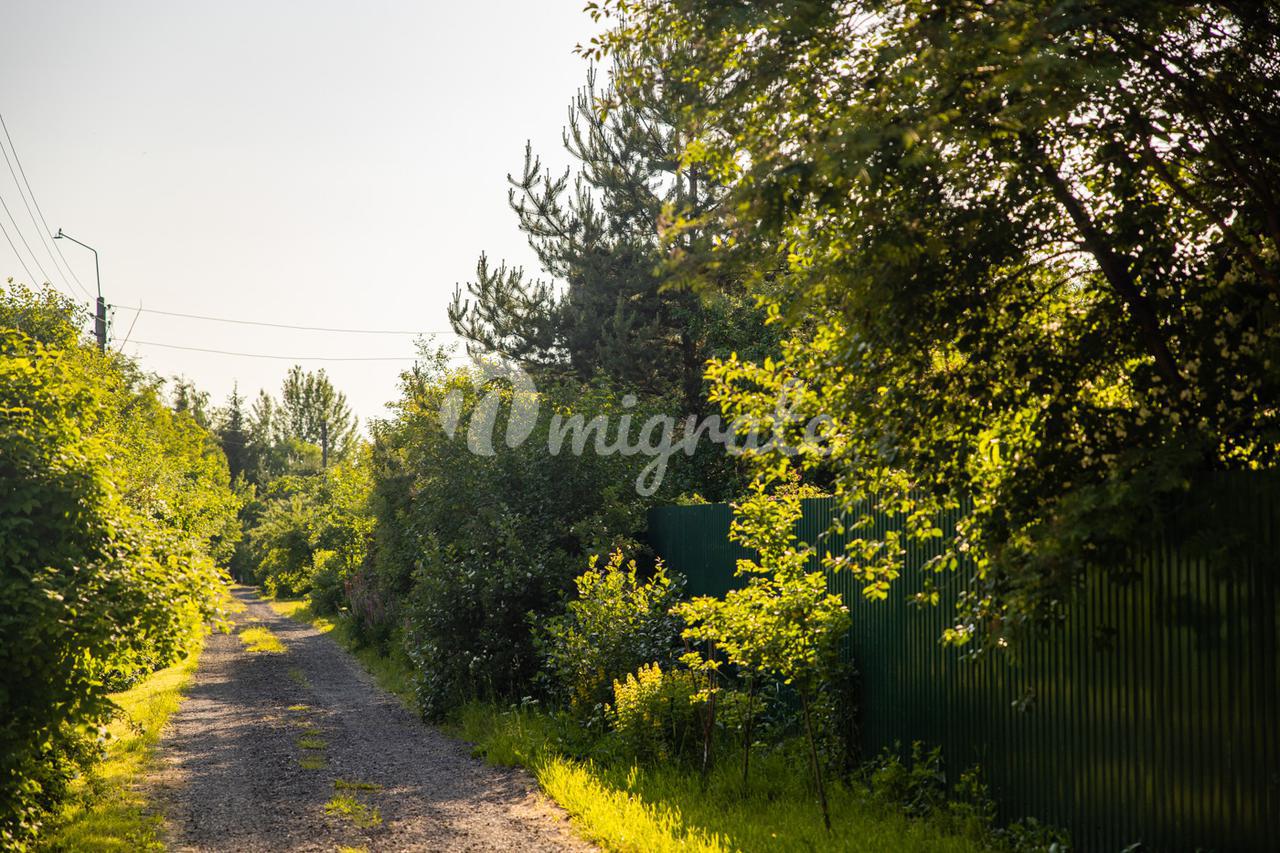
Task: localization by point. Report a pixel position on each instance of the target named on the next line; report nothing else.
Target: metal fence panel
(1152, 716)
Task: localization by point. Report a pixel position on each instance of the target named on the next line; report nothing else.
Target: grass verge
(626, 807)
(106, 810)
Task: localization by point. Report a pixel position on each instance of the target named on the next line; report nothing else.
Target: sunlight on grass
(106, 811)
(300, 609)
(352, 810)
(629, 808)
(260, 639)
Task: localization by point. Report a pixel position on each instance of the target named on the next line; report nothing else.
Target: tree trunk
(746, 738)
(813, 758)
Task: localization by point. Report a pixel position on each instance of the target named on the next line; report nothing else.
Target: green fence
(1154, 716)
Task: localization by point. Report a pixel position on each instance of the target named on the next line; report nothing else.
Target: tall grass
(627, 807)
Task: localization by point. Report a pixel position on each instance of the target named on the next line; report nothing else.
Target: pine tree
(597, 235)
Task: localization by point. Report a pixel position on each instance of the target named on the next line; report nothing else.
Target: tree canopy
(1038, 240)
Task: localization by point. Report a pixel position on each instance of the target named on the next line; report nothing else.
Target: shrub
(111, 508)
(617, 623)
(327, 583)
(472, 552)
(655, 715)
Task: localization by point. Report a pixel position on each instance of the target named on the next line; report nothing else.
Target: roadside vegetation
(105, 808)
(1020, 258)
(115, 514)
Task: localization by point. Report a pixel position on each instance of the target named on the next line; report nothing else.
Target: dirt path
(235, 761)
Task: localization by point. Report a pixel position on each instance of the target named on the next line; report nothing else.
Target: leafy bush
(471, 551)
(655, 715)
(617, 622)
(308, 524)
(328, 593)
(112, 509)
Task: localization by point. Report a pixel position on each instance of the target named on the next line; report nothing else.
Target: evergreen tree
(233, 434)
(186, 397)
(604, 309)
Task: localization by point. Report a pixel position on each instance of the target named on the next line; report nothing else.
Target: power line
(30, 192)
(279, 357)
(23, 238)
(16, 253)
(44, 241)
(289, 326)
(129, 333)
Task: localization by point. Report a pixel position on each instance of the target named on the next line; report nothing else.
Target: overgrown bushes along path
(295, 748)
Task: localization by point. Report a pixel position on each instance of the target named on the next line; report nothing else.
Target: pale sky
(334, 164)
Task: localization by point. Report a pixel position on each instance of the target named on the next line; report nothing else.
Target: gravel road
(234, 763)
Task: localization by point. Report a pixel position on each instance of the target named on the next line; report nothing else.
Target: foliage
(605, 310)
(308, 428)
(472, 551)
(113, 512)
(1029, 253)
(632, 807)
(616, 623)
(783, 623)
(654, 713)
(308, 527)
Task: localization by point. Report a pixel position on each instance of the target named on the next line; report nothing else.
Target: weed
(345, 785)
(299, 678)
(313, 762)
(357, 813)
(631, 807)
(311, 743)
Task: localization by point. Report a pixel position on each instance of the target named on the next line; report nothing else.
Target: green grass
(107, 811)
(393, 673)
(260, 639)
(631, 808)
(347, 785)
(309, 742)
(628, 808)
(313, 762)
(353, 811)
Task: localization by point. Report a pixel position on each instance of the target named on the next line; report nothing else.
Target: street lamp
(100, 315)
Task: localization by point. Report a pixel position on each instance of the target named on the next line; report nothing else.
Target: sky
(333, 164)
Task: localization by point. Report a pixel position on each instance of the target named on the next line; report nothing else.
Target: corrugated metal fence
(1153, 716)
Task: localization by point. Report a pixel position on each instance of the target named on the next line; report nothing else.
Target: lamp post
(100, 314)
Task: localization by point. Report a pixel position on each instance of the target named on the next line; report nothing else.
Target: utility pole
(324, 444)
(100, 311)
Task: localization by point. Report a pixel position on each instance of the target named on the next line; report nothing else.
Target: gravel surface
(231, 778)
